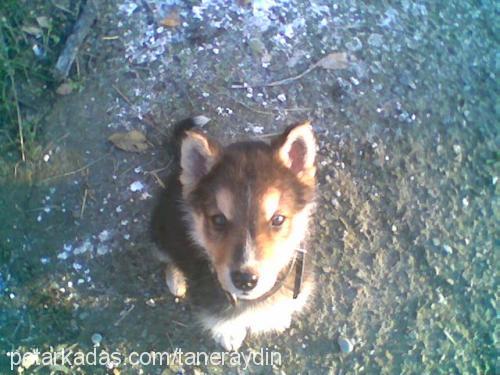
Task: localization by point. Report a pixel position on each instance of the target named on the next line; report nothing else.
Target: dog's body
(230, 226)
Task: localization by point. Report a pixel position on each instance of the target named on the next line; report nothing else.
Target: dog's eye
(219, 220)
(277, 220)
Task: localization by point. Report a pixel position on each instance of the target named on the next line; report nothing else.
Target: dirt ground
(407, 221)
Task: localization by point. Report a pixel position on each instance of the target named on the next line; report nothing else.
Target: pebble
(375, 40)
(465, 202)
(354, 45)
(102, 249)
(29, 360)
(104, 236)
(345, 344)
(136, 186)
(448, 249)
(96, 339)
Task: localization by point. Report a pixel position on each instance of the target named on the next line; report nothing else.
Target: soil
(407, 218)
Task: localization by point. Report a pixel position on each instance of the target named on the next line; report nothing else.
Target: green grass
(26, 79)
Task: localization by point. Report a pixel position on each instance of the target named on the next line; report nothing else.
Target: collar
(298, 261)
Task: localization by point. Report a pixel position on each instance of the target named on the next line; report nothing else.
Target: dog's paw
(285, 323)
(230, 339)
(175, 281)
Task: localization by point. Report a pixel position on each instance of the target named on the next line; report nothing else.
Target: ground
(408, 209)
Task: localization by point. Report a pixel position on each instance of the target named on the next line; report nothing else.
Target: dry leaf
(334, 60)
(32, 30)
(172, 20)
(133, 141)
(43, 22)
(64, 89)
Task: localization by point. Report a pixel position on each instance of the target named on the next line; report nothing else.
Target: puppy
(231, 227)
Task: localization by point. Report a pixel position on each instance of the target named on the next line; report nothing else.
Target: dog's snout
(244, 281)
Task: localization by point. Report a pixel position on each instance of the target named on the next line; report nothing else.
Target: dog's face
(248, 204)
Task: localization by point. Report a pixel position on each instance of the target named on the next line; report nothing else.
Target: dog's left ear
(296, 149)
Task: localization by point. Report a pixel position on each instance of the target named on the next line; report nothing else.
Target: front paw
(175, 280)
(285, 323)
(230, 338)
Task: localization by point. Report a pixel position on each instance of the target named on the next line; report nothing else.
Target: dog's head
(248, 204)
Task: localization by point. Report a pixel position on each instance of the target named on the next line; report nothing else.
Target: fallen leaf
(32, 30)
(43, 22)
(132, 141)
(334, 60)
(172, 20)
(64, 89)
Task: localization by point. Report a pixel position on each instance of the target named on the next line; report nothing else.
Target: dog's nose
(244, 281)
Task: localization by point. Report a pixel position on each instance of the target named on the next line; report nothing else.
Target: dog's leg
(174, 278)
(229, 336)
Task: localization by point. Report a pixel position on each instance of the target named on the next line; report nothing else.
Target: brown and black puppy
(230, 225)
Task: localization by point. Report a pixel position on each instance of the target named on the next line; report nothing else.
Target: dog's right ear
(199, 153)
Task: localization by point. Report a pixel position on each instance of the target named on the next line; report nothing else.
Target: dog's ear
(296, 149)
(199, 153)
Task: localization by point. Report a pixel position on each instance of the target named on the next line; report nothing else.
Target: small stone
(29, 359)
(354, 45)
(77, 266)
(96, 339)
(448, 249)
(345, 344)
(136, 186)
(465, 202)
(62, 255)
(102, 249)
(282, 98)
(104, 236)
(375, 40)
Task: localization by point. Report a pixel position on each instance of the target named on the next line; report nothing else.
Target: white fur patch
(274, 315)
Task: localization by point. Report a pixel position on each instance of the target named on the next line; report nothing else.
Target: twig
(282, 81)
(290, 79)
(75, 171)
(155, 172)
(179, 323)
(449, 337)
(157, 178)
(82, 28)
(83, 203)
(19, 118)
(252, 109)
(268, 135)
(122, 95)
(123, 315)
(59, 6)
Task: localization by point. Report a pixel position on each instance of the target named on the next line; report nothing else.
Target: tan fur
(224, 199)
(270, 202)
